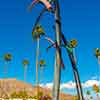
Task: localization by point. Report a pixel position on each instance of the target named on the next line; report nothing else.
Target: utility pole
(57, 70)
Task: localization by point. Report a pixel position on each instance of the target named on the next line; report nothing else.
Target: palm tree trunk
(56, 85)
(37, 55)
(75, 71)
(25, 69)
(5, 69)
(99, 61)
(41, 74)
(99, 68)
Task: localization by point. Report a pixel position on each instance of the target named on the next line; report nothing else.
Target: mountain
(8, 86)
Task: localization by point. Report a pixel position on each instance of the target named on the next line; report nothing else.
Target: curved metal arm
(39, 17)
(54, 44)
(49, 39)
(41, 13)
(75, 70)
(32, 4)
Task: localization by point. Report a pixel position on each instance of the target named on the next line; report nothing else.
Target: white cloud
(90, 83)
(47, 85)
(72, 85)
(41, 85)
(68, 85)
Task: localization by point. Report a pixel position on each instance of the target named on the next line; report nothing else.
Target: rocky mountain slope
(8, 86)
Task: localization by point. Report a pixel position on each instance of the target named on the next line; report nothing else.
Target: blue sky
(80, 20)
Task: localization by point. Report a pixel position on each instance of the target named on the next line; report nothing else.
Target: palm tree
(36, 36)
(25, 64)
(7, 58)
(97, 54)
(96, 90)
(69, 48)
(88, 93)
